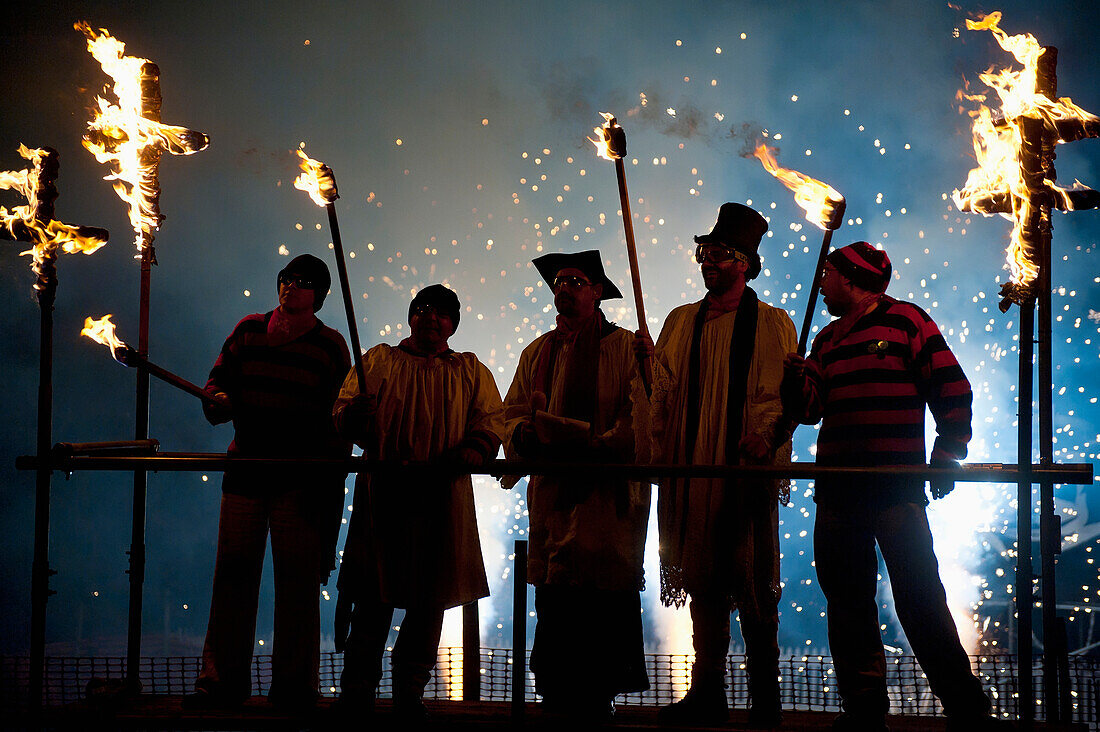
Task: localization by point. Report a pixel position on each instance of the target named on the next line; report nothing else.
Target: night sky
(457, 135)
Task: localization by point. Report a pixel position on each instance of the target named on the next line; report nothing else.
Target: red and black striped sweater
(869, 388)
(282, 395)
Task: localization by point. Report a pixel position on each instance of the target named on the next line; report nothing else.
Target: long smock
(717, 536)
(584, 532)
(413, 542)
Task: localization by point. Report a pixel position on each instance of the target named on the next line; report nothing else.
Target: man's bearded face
(721, 276)
(835, 291)
(575, 296)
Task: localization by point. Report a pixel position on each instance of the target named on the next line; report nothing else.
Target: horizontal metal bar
(1066, 473)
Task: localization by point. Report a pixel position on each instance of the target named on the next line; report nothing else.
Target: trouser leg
(231, 631)
(761, 633)
(549, 649)
(921, 605)
(415, 651)
(364, 648)
(847, 568)
(710, 637)
(295, 554)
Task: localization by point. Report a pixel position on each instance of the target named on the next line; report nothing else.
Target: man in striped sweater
(868, 378)
(277, 377)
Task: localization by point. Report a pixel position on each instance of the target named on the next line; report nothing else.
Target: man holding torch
(413, 541)
(570, 400)
(277, 378)
(715, 400)
(868, 377)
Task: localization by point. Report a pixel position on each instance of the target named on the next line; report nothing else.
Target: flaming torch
(34, 223)
(824, 208)
(610, 145)
(129, 137)
(1014, 175)
(1014, 148)
(318, 181)
(102, 331)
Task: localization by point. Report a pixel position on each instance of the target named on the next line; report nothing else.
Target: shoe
(410, 709)
(294, 705)
(851, 722)
(765, 717)
(702, 704)
(350, 705)
(978, 724)
(206, 700)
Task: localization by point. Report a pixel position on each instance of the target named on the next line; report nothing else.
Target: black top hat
(588, 262)
(738, 227)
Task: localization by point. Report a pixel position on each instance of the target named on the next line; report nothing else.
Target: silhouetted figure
(868, 378)
(413, 542)
(717, 368)
(587, 535)
(277, 378)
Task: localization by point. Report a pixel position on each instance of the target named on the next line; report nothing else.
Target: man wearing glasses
(717, 367)
(570, 401)
(413, 540)
(277, 377)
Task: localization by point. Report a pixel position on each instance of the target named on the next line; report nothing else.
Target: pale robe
(599, 541)
(710, 532)
(413, 540)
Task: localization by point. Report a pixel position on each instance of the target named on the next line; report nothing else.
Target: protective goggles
(715, 253)
(301, 281)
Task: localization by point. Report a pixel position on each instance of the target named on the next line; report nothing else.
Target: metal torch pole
(46, 287)
(40, 567)
(345, 290)
(1055, 696)
(1024, 595)
(150, 109)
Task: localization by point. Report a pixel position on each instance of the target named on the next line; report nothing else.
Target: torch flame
(124, 137)
(998, 140)
(819, 200)
(316, 180)
(22, 222)
(603, 134)
(102, 331)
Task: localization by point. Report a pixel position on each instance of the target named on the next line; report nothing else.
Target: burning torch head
(308, 268)
(864, 266)
(740, 228)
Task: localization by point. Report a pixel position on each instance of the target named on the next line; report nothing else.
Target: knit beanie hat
(864, 266)
(316, 271)
(439, 297)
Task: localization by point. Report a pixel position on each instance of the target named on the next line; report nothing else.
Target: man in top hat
(570, 400)
(868, 377)
(413, 541)
(715, 400)
(277, 377)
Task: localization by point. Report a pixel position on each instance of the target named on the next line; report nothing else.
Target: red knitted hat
(865, 266)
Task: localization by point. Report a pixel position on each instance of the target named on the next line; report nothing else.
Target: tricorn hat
(588, 262)
(738, 227)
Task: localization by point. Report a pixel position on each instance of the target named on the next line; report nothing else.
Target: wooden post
(519, 631)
